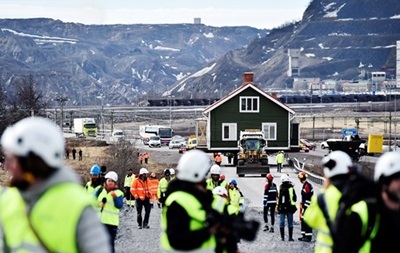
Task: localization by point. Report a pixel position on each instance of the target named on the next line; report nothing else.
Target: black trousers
(147, 208)
(271, 209)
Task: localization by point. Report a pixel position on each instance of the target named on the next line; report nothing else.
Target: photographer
(191, 219)
(186, 207)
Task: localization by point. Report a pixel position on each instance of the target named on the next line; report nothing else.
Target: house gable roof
(239, 90)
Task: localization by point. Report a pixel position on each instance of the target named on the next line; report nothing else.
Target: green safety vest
(198, 217)
(54, 217)
(162, 186)
(110, 214)
(361, 209)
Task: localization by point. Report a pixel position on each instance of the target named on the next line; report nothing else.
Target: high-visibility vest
(162, 186)
(55, 223)
(194, 209)
(109, 214)
(211, 184)
(153, 185)
(314, 217)
(128, 180)
(140, 189)
(361, 208)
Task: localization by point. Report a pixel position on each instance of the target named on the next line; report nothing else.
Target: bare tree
(122, 156)
(28, 100)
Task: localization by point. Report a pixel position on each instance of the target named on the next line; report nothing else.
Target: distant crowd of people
(200, 213)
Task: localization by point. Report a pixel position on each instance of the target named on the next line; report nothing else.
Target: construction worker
(162, 186)
(215, 180)
(110, 201)
(323, 208)
(269, 202)
(307, 192)
(188, 203)
(140, 158)
(235, 196)
(146, 157)
(286, 206)
(130, 200)
(373, 224)
(153, 188)
(140, 190)
(279, 159)
(226, 242)
(172, 173)
(218, 159)
(95, 179)
(45, 209)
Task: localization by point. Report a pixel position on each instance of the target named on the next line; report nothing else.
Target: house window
(269, 130)
(229, 132)
(249, 104)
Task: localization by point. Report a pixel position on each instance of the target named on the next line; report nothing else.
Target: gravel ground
(132, 239)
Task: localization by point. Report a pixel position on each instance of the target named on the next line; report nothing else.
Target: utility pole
(61, 99)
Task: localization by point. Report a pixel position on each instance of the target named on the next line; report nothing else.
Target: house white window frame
(269, 125)
(232, 131)
(251, 110)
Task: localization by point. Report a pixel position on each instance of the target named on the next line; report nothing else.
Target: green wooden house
(248, 107)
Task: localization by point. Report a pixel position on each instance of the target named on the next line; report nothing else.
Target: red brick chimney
(248, 77)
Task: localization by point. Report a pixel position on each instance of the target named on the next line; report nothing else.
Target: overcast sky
(256, 13)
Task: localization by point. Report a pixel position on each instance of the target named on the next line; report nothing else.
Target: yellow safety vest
(128, 180)
(211, 185)
(361, 209)
(109, 214)
(54, 217)
(162, 186)
(198, 217)
(314, 217)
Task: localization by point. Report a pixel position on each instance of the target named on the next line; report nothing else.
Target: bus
(164, 132)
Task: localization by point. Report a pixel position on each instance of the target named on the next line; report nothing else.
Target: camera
(234, 224)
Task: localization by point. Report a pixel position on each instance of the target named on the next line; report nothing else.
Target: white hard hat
(172, 171)
(285, 178)
(143, 171)
(336, 163)
(37, 135)
(193, 166)
(220, 190)
(112, 175)
(387, 165)
(215, 169)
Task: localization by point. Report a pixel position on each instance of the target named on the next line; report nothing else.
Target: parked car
(175, 144)
(308, 144)
(155, 141)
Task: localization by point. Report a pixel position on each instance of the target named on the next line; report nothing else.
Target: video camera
(103, 170)
(234, 224)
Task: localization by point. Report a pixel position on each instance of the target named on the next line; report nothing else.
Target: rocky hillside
(125, 63)
(336, 38)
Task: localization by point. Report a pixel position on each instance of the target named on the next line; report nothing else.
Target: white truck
(85, 127)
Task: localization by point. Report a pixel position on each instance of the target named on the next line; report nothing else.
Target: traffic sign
(349, 131)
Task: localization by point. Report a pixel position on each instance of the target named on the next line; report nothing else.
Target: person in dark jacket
(307, 192)
(269, 202)
(286, 206)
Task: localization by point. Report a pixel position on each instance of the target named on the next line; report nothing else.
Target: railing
(299, 167)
